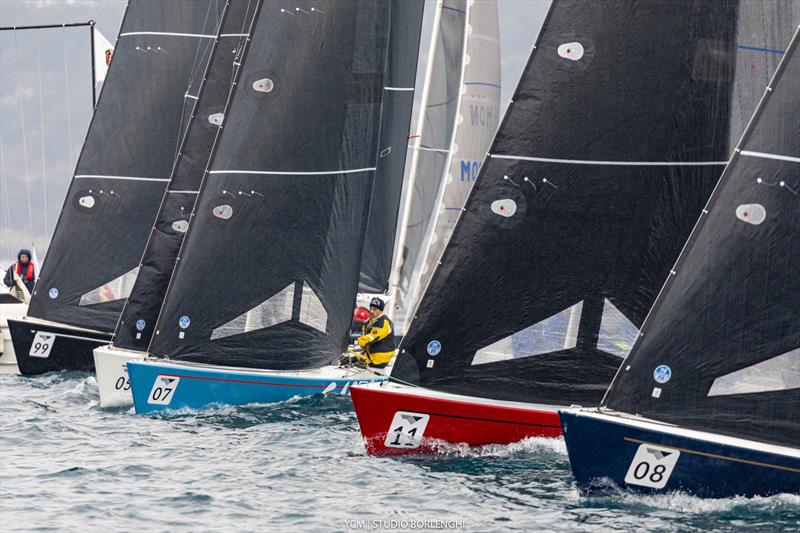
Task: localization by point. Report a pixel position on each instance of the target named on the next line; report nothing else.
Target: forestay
(125, 162)
(398, 100)
(268, 271)
(137, 321)
(721, 349)
(615, 136)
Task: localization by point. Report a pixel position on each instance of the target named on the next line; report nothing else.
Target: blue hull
(158, 386)
(607, 455)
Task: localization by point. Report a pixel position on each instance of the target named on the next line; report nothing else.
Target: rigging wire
(41, 127)
(71, 154)
(24, 144)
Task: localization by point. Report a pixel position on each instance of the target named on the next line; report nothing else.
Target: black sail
(138, 318)
(398, 99)
(268, 271)
(720, 350)
(125, 162)
(615, 136)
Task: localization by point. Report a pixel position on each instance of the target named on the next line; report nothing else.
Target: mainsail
(477, 117)
(398, 100)
(137, 321)
(616, 134)
(125, 162)
(268, 270)
(431, 145)
(720, 350)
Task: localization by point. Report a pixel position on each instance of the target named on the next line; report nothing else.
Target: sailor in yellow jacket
(377, 337)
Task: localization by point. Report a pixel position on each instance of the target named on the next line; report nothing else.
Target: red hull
(442, 420)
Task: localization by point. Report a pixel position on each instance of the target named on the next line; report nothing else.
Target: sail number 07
(163, 390)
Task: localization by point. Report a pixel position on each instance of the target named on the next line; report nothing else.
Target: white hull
(8, 360)
(112, 375)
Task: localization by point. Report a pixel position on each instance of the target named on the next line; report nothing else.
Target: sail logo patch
(163, 390)
(406, 430)
(662, 374)
(53, 293)
(505, 207)
(184, 322)
(652, 466)
(572, 51)
(753, 214)
(434, 347)
(42, 344)
(140, 324)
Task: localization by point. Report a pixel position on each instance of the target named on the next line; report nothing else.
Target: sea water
(68, 465)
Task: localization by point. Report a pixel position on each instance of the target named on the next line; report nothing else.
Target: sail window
(116, 289)
(779, 373)
(312, 312)
(556, 333)
(505, 207)
(617, 333)
(224, 211)
(573, 51)
(264, 85)
(753, 214)
(276, 310)
(216, 118)
(180, 226)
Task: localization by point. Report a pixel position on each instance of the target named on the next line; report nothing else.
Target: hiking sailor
(377, 337)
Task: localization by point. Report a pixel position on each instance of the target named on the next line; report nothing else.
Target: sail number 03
(652, 466)
(163, 390)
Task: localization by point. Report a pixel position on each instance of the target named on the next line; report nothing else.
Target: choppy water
(67, 465)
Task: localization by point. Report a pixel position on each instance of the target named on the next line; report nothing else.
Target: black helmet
(377, 302)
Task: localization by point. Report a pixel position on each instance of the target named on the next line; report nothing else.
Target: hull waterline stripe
(249, 382)
(446, 415)
(102, 341)
(759, 49)
(129, 178)
(168, 34)
(765, 155)
(715, 456)
(398, 88)
(426, 149)
(286, 173)
(612, 163)
(483, 84)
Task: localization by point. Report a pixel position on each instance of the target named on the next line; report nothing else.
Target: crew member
(24, 269)
(378, 336)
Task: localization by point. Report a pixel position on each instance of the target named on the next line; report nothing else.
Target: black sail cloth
(721, 349)
(269, 269)
(138, 318)
(616, 134)
(398, 99)
(125, 162)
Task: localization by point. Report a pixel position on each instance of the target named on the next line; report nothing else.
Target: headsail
(720, 350)
(431, 145)
(137, 321)
(616, 134)
(125, 162)
(398, 100)
(268, 271)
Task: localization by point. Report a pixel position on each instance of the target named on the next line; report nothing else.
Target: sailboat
(260, 302)
(616, 134)
(120, 176)
(137, 320)
(459, 111)
(708, 401)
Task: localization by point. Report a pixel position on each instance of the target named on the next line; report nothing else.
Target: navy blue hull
(71, 349)
(602, 452)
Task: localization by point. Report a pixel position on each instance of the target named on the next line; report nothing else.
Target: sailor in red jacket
(24, 269)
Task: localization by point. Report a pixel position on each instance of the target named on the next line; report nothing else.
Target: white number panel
(121, 382)
(42, 344)
(406, 430)
(652, 466)
(163, 390)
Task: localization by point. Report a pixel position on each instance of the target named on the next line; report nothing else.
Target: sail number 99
(42, 344)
